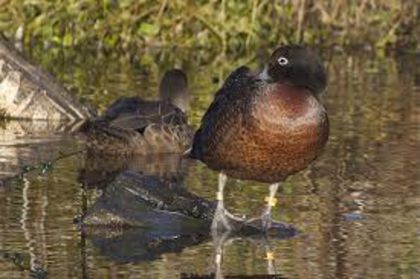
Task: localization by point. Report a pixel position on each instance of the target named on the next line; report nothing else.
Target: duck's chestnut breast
(283, 130)
(287, 129)
(274, 133)
(286, 109)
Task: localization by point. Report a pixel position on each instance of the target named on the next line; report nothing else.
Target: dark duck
(264, 126)
(132, 125)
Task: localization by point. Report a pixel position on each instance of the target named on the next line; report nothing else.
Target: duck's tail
(194, 152)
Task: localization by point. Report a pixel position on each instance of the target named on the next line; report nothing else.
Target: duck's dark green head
(174, 88)
(299, 66)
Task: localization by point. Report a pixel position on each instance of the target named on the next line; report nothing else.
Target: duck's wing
(224, 109)
(232, 88)
(123, 105)
(136, 114)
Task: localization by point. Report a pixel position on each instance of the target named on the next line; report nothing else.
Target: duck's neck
(178, 98)
(286, 106)
(263, 75)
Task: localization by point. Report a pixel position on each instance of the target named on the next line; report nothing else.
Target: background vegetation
(217, 25)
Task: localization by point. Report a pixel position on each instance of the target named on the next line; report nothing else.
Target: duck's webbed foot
(267, 225)
(262, 222)
(223, 220)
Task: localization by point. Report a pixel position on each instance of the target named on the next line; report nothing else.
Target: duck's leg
(221, 216)
(265, 220)
(220, 220)
(271, 202)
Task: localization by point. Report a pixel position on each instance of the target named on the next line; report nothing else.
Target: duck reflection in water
(100, 170)
(264, 126)
(223, 240)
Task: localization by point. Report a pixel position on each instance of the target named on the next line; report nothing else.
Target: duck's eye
(283, 61)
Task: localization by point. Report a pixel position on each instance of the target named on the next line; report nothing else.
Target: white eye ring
(283, 61)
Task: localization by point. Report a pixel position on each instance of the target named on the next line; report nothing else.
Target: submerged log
(137, 200)
(163, 206)
(28, 92)
(145, 210)
(138, 244)
(139, 217)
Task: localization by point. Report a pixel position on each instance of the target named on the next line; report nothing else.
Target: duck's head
(174, 88)
(298, 66)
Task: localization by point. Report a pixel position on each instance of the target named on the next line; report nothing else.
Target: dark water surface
(357, 206)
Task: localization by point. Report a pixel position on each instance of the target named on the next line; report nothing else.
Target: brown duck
(265, 126)
(132, 125)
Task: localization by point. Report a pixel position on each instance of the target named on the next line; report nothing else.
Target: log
(139, 245)
(145, 210)
(29, 92)
(139, 217)
(135, 199)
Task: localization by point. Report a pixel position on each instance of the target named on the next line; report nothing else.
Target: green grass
(219, 26)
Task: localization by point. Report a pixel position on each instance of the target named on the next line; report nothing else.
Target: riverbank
(217, 26)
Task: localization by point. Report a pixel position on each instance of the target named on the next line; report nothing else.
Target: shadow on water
(356, 206)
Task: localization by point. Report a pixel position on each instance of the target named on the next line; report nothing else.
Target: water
(357, 206)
